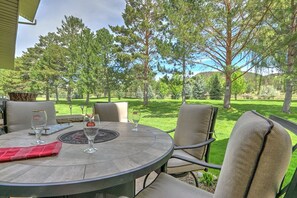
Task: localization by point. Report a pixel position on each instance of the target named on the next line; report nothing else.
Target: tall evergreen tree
(291, 67)
(215, 92)
(47, 70)
(282, 22)
(232, 32)
(105, 53)
(87, 63)
(199, 88)
(137, 37)
(69, 34)
(181, 36)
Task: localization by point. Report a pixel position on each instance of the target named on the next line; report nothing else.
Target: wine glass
(135, 119)
(91, 128)
(38, 122)
(82, 109)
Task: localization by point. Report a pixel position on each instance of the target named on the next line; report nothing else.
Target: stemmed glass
(135, 119)
(38, 122)
(82, 109)
(91, 128)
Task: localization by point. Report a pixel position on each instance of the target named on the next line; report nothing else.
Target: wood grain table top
(129, 156)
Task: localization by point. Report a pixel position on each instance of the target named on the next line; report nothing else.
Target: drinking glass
(135, 119)
(91, 128)
(38, 123)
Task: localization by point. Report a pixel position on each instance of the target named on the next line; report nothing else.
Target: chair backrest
(257, 156)
(290, 190)
(112, 112)
(17, 114)
(194, 125)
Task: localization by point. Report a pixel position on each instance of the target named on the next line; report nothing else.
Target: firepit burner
(78, 137)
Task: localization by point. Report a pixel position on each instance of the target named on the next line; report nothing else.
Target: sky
(95, 14)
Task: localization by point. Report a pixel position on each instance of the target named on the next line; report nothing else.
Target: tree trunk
(228, 69)
(146, 69)
(288, 96)
(47, 94)
(227, 96)
(57, 93)
(235, 96)
(184, 81)
(109, 95)
(108, 85)
(291, 60)
(88, 98)
(69, 92)
(145, 93)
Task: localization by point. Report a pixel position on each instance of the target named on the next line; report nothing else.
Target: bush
(150, 93)
(175, 95)
(268, 92)
(139, 93)
(207, 179)
(247, 96)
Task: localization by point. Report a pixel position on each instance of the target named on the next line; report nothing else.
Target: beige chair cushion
(112, 112)
(193, 126)
(19, 113)
(167, 186)
(257, 156)
(175, 166)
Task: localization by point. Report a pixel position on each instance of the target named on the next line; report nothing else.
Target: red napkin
(18, 153)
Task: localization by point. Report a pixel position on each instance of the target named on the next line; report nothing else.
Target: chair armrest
(198, 162)
(170, 131)
(195, 145)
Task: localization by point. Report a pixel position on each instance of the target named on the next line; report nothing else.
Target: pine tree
(182, 32)
(215, 92)
(137, 37)
(199, 89)
(69, 34)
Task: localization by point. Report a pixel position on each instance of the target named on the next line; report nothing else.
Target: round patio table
(109, 172)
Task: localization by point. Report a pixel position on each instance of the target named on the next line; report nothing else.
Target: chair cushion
(257, 156)
(175, 166)
(19, 113)
(112, 112)
(168, 186)
(193, 126)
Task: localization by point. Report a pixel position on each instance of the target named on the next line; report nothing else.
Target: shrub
(207, 179)
(268, 92)
(139, 93)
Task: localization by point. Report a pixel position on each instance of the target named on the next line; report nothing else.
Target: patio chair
(17, 114)
(112, 112)
(192, 138)
(257, 156)
(290, 190)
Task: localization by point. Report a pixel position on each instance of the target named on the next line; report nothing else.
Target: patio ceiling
(9, 14)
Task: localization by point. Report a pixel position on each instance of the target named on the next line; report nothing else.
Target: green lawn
(163, 114)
